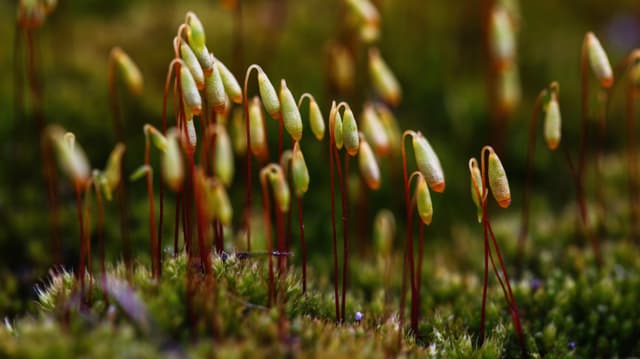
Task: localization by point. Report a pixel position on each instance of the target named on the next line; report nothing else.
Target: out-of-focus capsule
(374, 130)
(598, 60)
(552, 122)
(369, 166)
(384, 81)
(128, 70)
(172, 166)
(223, 165)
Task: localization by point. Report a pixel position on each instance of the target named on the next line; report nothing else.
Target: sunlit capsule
(172, 166)
(222, 205)
(423, 201)
(428, 163)
(157, 138)
(190, 92)
(280, 189)
(299, 171)
(350, 134)
(384, 81)
(256, 128)
(140, 172)
(552, 123)
(291, 117)
(598, 60)
(498, 181)
(374, 130)
(503, 41)
(508, 92)
(369, 166)
(73, 159)
(190, 59)
(238, 131)
(316, 119)
(128, 70)
(195, 32)
(214, 90)
(112, 171)
(223, 164)
(231, 85)
(384, 229)
(476, 186)
(338, 138)
(268, 95)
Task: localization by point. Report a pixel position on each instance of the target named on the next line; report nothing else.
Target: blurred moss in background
(434, 47)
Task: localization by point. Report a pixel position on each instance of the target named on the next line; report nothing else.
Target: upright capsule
(476, 186)
(223, 161)
(172, 166)
(299, 171)
(552, 122)
(423, 201)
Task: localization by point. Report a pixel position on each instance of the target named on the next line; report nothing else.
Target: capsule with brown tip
(428, 163)
(290, 113)
(384, 81)
(190, 94)
(215, 92)
(423, 201)
(231, 85)
(498, 181)
(268, 95)
(374, 130)
(369, 166)
(350, 135)
(190, 59)
(598, 60)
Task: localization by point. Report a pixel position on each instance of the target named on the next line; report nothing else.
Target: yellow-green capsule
(476, 187)
(384, 81)
(231, 85)
(509, 92)
(503, 40)
(190, 59)
(112, 173)
(238, 131)
(316, 119)
(214, 90)
(73, 160)
(195, 32)
(369, 166)
(374, 130)
(350, 135)
(291, 117)
(140, 172)
(129, 70)
(498, 181)
(342, 73)
(223, 164)
(423, 201)
(268, 95)
(222, 205)
(338, 138)
(384, 229)
(299, 171)
(256, 128)
(280, 190)
(428, 163)
(172, 166)
(364, 10)
(190, 94)
(599, 61)
(157, 138)
(552, 123)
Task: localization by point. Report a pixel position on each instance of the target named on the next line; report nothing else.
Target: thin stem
(632, 157)
(524, 221)
(200, 222)
(176, 229)
(152, 216)
(485, 281)
(333, 210)
(304, 246)
(100, 230)
(82, 242)
(266, 207)
(345, 228)
(282, 247)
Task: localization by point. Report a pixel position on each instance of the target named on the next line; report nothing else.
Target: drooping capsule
(316, 120)
(268, 95)
(280, 189)
(423, 201)
(129, 71)
(157, 138)
(374, 130)
(172, 166)
(350, 135)
(338, 137)
(238, 131)
(291, 117)
(112, 172)
(598, 60)
(428, 163)
(384, 229)
(223, 163)
(498, 181)
(299, 171)
(369, 166)
(552, 122)
(215, 92)
(364, 10)
(256, 128)
(476, 186)
(384, 81)
(190, 94)
(72, 158)
(190, 59)
(231, 85)
(195, 32)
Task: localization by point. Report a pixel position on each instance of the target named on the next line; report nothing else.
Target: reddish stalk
(345, 229)
(333, 210)
(248, 134)
(200, 222)
(267, 228)
(152, 216)
(282, 247)
(78, 191)
(304, 246)
(100, 230)
(524, 221)
(632, 157)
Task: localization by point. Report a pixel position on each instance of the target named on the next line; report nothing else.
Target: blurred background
(435, 48)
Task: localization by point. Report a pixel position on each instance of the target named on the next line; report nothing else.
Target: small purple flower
(535, 284)
(359, 316)
(572, 345)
